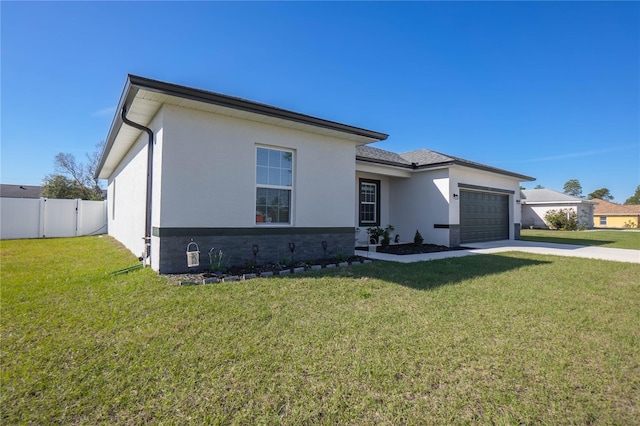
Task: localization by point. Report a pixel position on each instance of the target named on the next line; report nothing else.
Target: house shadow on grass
(432, 274)
(578, 242)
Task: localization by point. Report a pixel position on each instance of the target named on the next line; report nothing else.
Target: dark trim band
(214, 232)
(441, 226)
(485, 188)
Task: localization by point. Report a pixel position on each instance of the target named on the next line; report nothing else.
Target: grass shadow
(432, 274)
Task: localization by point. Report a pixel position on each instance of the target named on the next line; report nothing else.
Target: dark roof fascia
(135, 83)
(446, 164)
(249, 106)
(384, 162)
(480, 167)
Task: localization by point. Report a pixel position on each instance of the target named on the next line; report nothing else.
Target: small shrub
(417, 238)
(563, 219)
(215, 257)
(386, 237)
(375, 232)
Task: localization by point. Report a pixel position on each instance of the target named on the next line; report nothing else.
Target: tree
(635, 198)
(538, 186)
(602, 193)
(74, 179)
(573, 187)
(58, 186)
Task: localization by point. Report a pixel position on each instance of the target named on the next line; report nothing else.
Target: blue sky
(547, 89)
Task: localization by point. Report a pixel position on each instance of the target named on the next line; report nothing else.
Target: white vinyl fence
(50, 218)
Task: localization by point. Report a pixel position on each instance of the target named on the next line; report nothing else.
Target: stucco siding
(616, 221)
(126, 197)
(208, 172)
(533, 215)
(419, 203)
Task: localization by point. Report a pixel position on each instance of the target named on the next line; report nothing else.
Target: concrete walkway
(589, 252)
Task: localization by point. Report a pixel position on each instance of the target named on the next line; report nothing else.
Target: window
(274, 184)
(369, 210)
(603, 220)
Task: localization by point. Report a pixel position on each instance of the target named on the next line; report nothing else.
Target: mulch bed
(198, 275)
(402, 249)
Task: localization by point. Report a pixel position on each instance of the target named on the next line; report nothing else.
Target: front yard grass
(513, 338)
(612, 239)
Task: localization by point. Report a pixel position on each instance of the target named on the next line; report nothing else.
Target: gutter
(147, 220)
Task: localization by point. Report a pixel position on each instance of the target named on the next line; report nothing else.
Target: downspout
(147, 221)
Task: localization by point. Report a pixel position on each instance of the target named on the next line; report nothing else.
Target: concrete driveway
(589, 252)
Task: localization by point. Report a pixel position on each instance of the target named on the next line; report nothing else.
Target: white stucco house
(537, 202)
(186, 164)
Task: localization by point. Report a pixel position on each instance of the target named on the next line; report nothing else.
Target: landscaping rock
(266, 274)
(230, 279)
(285, 272)
(343, 264)
(298, 270)
(248, 276)
(212, 280)
(330, 265)
(316, 267)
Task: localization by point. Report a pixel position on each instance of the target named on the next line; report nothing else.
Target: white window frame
(279, 187)
(376, 203)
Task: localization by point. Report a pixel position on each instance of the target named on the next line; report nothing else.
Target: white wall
(208, 172)
(126, 194)
(533, 214)
(418, 203)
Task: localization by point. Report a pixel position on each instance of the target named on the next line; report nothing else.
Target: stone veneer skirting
(236, 245)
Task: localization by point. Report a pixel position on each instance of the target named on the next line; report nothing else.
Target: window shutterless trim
(276, 187)
(376, 222)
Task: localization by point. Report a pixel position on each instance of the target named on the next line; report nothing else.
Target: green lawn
(504, 339)
(614, 239)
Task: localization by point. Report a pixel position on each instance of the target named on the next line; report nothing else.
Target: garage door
(484, 216)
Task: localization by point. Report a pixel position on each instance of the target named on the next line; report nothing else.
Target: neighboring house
(537, 202)
(184, 164)
(20, 191)
(613, 215)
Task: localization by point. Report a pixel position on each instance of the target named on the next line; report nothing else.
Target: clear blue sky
(548, 89)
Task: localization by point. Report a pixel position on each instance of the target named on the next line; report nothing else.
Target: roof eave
(477, 166)
(199, 95)
(135, 83)
(126, 98)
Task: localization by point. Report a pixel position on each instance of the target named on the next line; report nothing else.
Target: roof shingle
(607, 208)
